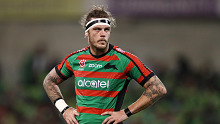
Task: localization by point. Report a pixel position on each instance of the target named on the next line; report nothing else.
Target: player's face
(98, 36)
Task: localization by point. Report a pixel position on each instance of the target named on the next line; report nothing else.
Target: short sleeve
(138, 71)
(63, 69)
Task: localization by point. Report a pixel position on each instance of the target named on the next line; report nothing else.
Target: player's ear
(86, 34)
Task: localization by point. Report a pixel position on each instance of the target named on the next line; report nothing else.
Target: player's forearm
(50, 84)
(154, 91)
(142, 103)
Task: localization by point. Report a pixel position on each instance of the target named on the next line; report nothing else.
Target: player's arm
(154, 90)
(50, 84)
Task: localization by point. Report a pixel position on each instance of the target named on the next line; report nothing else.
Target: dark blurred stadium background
(178, 39)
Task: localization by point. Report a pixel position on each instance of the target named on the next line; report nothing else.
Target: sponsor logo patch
(95, 66)
(93, 83)
(82, 63)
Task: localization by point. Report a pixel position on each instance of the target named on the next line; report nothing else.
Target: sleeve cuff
(59, 73)
(146, 78)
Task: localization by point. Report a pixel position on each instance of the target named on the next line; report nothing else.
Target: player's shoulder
(124, 53)
(116, 48)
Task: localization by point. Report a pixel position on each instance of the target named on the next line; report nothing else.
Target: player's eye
(107, 29)
(97, 29)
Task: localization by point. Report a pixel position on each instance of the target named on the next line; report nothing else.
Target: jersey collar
(99, 56)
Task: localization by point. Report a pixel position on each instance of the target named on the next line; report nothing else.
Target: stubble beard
(103, 45)
(100, 46)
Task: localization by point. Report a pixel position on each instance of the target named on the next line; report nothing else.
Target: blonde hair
(97, 12)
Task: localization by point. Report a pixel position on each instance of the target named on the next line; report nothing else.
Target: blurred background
(177, 39)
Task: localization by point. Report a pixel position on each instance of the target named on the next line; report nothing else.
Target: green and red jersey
(101, 81)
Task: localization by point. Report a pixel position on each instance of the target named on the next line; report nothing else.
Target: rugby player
(102, 73)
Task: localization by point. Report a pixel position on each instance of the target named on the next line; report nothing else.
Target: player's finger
(74, 120)
(68, 121)
(106, 120)
(110, 121)
(107, 113)
(76, 113)
(115, 122)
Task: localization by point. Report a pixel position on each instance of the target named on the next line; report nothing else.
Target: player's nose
(102, 33)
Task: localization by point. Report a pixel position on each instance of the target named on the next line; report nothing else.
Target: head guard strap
(97, 21)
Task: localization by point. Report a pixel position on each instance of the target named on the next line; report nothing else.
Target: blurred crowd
(193, 94)
(25, 101)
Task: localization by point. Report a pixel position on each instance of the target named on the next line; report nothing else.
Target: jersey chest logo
(82, 63)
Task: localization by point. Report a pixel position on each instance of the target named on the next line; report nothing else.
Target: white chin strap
(97, 21)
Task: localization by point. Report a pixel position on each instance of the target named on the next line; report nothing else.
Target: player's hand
(69, 116)
(115, 117)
